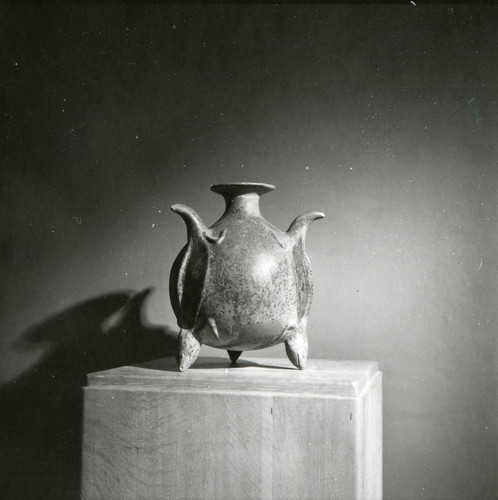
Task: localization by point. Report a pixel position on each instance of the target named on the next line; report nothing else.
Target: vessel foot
(234, 355)
(296, 347)
(188, 349)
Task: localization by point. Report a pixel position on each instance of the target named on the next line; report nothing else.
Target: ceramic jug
(242, 284)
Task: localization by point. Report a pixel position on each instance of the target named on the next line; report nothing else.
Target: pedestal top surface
(254, 375)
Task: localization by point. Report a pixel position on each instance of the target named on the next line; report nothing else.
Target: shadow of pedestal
(41, 410)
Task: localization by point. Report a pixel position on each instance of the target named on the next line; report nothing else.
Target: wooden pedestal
(258, 429)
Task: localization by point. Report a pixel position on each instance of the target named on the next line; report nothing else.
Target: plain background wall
(384, 117)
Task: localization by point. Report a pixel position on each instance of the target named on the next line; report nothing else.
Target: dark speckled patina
(242, 284)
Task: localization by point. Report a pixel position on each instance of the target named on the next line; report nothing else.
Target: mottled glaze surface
(242, 284)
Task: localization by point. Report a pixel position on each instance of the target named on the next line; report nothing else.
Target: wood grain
(147, 438)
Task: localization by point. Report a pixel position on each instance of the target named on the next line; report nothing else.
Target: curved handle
(195, 227)
(297, 230)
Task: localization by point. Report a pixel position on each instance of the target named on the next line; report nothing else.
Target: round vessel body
(250, 287)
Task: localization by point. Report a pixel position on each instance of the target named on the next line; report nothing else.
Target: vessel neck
(242, 197)
(246, 203)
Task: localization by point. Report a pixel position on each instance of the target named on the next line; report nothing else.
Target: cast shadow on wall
(41, 411)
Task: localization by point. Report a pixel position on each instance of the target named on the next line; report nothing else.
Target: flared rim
(240, 188)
